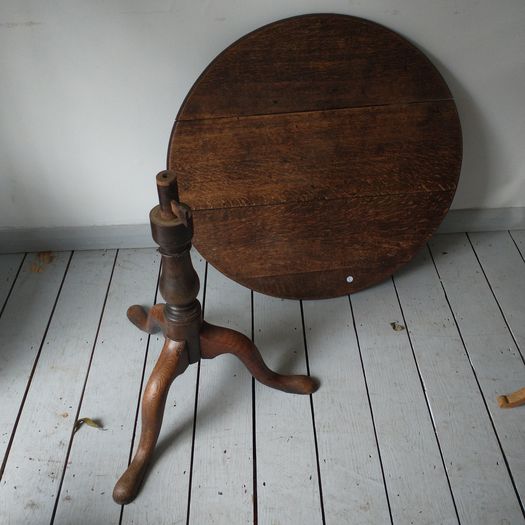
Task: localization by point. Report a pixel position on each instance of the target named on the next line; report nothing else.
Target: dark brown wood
(173, 361)
(300, 157)
(167, 190)
(150, 322)
(298, 251)
(313, 62)
(187, 337)
(313, 151)
(216, 340)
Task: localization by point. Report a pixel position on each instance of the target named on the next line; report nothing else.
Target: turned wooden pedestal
(187, 337)
(317, 154)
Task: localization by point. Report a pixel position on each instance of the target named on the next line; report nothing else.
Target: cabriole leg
(216, 340)
(173, 361)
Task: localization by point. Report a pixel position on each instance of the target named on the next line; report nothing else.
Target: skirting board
(14, 240)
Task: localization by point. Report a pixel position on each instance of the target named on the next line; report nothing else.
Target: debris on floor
(396, 326)
(89, 422)
(515, 399)
(41, 259)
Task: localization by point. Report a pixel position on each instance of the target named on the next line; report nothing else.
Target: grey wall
(89, 91)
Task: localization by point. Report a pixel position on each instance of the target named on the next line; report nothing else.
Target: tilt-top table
(313, 158)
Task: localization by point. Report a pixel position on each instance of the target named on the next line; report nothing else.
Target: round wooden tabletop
(318, 154)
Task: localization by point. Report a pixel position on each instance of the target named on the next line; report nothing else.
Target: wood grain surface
(314, 149)
(271, 159)
(293, 250)
(318, 61)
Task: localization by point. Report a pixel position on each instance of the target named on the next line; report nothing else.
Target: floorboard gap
(516, 244)
(316, 444)
(479, 386)
(254, 427)
(426, 400)
(141, 386)
(22, 403)
(12, 284)
(496, 299)
(71, 437)
(371, 410)
(194, 430)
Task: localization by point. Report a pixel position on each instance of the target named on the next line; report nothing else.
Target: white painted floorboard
(287, 478)
(504, 267)
(518, 236)
(33, 470)
(415, 477)
(352, 479)
(221, 489)
(405, 428)
(98, 457)
(495, 358)
(23, 326)
(9, 265)
(471, 452)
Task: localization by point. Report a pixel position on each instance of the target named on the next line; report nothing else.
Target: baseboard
(486, 220)
(14, 240)
(75, 238)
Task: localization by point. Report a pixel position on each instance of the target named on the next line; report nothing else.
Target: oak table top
(318, 154)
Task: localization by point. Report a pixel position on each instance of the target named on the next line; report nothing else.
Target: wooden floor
(405, 428)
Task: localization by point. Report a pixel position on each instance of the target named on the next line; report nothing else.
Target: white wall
(89, 90)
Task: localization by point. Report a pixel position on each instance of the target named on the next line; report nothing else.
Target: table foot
(216, 340)
(172, 362)
(150, 321)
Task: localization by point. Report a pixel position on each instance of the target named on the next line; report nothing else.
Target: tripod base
(172, 362)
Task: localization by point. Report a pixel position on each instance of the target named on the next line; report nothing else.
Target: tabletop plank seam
(335, 199)
(307, 111)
